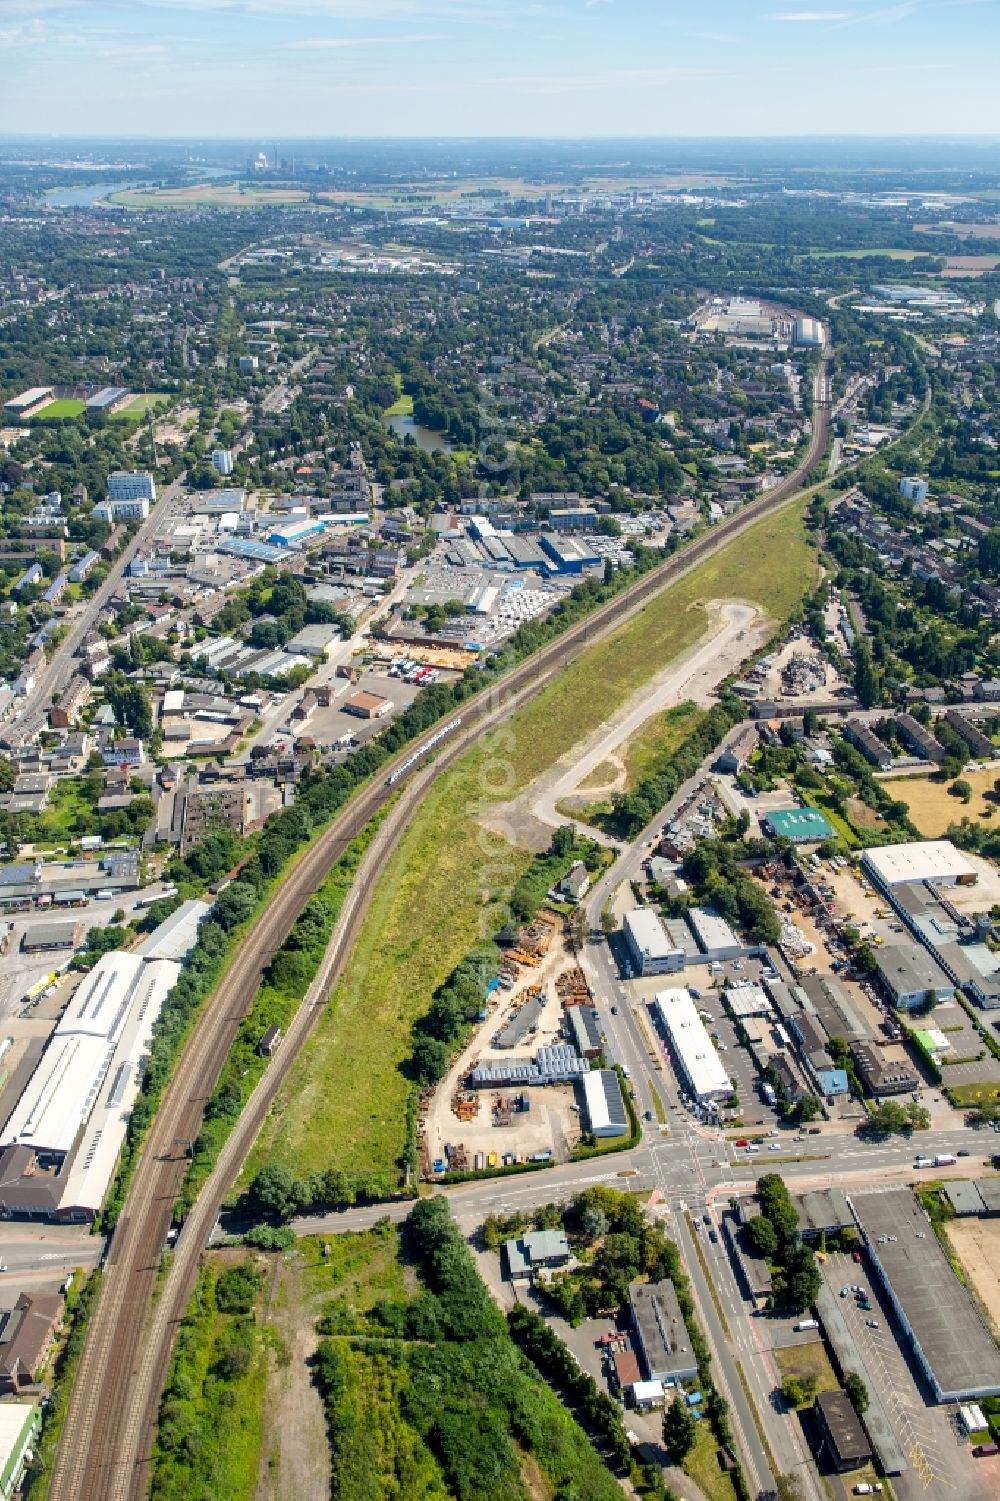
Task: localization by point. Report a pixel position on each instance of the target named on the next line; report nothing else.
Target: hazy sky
(273, 68)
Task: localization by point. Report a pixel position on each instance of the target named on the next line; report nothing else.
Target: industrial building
(933, 860)
(954, 940)
(314, 640)
(951, 1343)
(568, 554)
(651, 951)
(177, 934)
(843, 1437)
(798, 825)
(585, 1029)
(522, 1024)
(367, 705)
(20, 1426)
(557, 1064)
(604, 1103)
(661, 1332)
(51, 935)
(713, 935)
(694, 1052)
(808, 333)
(60, 1145)
(909, 975)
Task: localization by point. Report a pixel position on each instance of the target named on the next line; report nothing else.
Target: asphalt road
(61, 666)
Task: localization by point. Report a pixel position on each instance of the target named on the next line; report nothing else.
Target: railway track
(106, 1444)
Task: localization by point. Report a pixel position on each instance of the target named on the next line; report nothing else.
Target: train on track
(418, 755)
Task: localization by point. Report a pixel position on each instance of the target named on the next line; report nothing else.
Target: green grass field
(859, 255)
(140, 405)
(448, 881)
(702, 1464)
(658, 737)
(401, 407)
(222, 1416)
(69, 406)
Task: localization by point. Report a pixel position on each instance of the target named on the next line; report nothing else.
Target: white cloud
(811, 17)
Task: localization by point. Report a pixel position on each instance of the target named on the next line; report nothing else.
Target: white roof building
(694, 1051)
(652, 950)
(93, 1163)
(109, 1020)
(602, 1095)
(713, 934)
(934, 860)
(177, 935)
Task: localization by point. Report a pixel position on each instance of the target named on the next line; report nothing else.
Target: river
(424, 437)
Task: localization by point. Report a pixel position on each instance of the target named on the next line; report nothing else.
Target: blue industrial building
(568, 554)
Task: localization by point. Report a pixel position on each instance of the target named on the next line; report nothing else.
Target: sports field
(140, 405)
(69, 406)
(447, 883)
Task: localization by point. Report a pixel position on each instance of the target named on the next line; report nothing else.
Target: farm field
(976, 1243)
(68, 406)
(932, 807)
(448, 882)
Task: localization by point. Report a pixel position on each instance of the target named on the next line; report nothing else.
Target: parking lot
(965, 1043)
(940, 1461)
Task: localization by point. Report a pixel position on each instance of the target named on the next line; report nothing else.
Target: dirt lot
(550, 1121)
(932, 807)
(976, 1243)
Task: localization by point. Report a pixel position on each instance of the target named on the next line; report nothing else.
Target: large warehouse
(949, 1338)
(694, 1051)
(934, 860)
(602, 1095)
(60, 1145)
(650, 948)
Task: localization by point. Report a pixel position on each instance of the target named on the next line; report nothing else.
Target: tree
(802, 1280)
(275, 1189)
(889, 1118)
(807, 1108)
(679, 1429)
(429, 1060)
(857, 1392)
(593, 1221)
(763, 1236)
(961, 788)
(798, 1391)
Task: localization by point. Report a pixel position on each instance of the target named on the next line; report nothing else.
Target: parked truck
(924, 1162)
(945, 1159)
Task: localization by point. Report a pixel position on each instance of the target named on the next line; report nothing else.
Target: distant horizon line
(269, 135)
